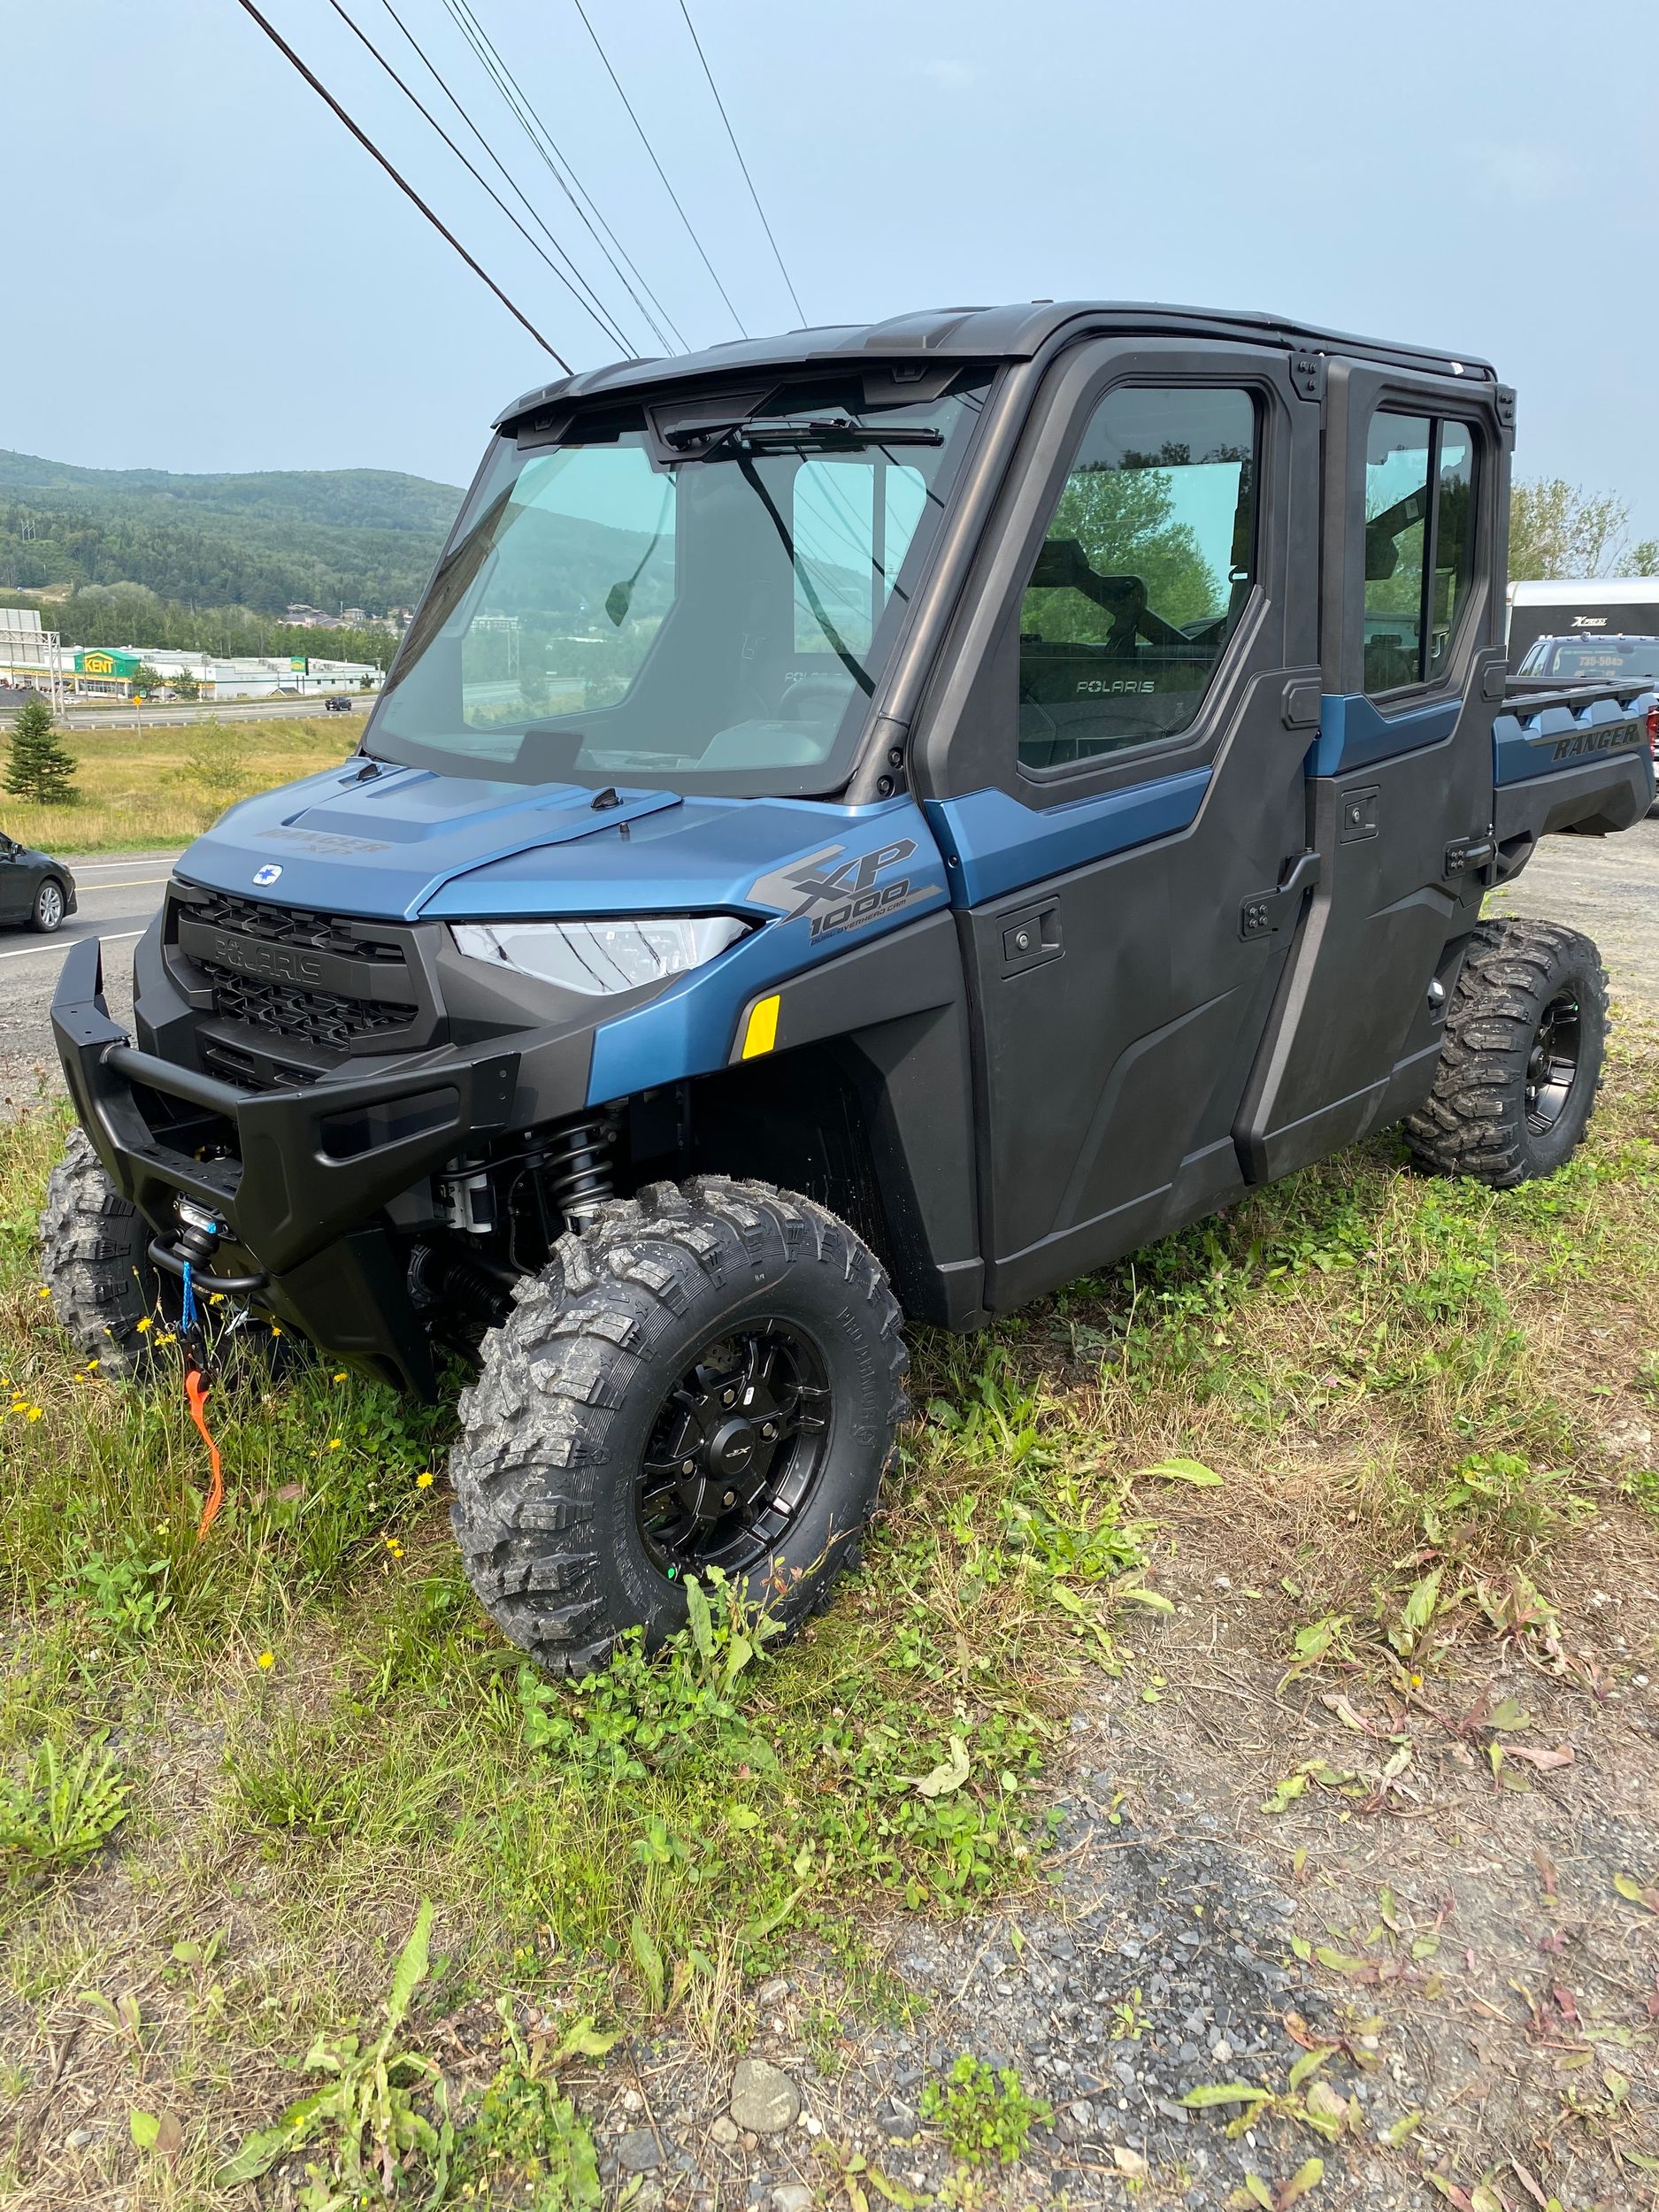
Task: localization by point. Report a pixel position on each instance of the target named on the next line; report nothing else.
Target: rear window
(1600, 660)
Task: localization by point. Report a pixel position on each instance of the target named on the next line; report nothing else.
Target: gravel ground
(1477, 1946)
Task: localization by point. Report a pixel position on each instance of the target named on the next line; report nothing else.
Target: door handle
(1264, 911)
(1031, 937)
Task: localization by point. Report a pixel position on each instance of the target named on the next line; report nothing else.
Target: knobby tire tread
(529, 1465)
(1473, 1122)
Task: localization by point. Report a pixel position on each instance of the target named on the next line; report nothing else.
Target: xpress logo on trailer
(841, 895)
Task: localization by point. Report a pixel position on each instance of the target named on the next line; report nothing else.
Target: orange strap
(195, 1391)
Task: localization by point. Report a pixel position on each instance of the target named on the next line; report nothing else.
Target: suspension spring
(579, 1170)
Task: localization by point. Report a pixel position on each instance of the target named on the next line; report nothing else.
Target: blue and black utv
(867, 824)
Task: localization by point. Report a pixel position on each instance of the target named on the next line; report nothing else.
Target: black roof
(988, 334)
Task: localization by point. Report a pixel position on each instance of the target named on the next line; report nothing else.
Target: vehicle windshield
(706, 608)
(1594, 660)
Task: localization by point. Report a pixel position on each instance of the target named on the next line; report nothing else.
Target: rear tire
(1521, 1063)
(626, 1406)
(49, 906)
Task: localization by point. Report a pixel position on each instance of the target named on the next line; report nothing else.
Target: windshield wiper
(725, 441)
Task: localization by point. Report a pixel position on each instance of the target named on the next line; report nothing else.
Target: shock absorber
(578, 1169)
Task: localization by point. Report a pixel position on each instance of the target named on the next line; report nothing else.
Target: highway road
(118, 896)
(128, 718)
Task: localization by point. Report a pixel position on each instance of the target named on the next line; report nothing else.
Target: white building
(31, 658)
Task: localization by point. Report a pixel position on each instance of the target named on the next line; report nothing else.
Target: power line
(610, 321)
(741, 164)
(402, 184)
(553, 155)
(658, 166)
(589, 306)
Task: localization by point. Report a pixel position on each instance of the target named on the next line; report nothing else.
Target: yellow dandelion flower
(266, 1661)
(36, 1412)
(142, 1322)
(423, 1480)
(341, 1376)
(45, 1291)
(168, 1338)
(274, 1330)
(91, 1363)
(334, 1443)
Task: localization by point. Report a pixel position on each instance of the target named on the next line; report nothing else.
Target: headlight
(599, 958)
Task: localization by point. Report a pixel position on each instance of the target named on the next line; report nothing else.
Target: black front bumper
(297, 1177)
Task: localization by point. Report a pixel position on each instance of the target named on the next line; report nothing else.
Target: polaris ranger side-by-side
(873, 822)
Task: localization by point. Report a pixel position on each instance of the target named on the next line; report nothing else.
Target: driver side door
(1121, 793)
(17, 880)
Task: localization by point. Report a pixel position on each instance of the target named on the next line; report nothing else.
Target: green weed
(983, 2115)
(383, 2119)
(62, 1810)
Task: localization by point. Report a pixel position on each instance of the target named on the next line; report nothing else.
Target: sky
(205, 272)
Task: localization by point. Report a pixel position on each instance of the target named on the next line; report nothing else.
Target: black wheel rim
(1552, 1066)
(736, 1450)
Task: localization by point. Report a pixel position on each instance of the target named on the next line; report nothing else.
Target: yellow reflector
(761, 1033)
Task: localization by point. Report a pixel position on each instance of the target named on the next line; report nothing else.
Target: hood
(409, 844)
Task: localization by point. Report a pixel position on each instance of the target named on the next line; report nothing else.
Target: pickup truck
(865, 826)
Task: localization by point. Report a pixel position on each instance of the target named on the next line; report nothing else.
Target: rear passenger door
(1401, 779)
(1114, 770)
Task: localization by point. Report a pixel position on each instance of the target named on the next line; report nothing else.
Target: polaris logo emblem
(267, 874)
(280, 963)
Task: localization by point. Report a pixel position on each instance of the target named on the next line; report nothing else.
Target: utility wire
(658, 166)
(610, 322)
(590, 306)
(402, 184)
(553, 155)
(741, 164)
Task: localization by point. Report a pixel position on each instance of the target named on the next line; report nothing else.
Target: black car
(34, 889)
(338, 704)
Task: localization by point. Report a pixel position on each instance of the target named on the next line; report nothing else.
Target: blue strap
(188, 1316)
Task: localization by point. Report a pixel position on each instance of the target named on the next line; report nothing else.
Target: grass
(1392, 1392)
(143, 790)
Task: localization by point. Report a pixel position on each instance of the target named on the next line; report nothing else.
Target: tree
(146, 680)
(1558, 529)
(39, 768)
(214, 762)
(184, 686)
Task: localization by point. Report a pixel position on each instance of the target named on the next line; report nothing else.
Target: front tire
(1521, 1063)
(706, 1377)
(107, 1294)
(49, 906)
(95, 1257)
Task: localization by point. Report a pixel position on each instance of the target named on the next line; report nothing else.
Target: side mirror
(618, 599)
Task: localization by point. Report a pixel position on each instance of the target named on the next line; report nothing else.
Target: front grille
(320, 1017)
(287, 992)
(294, 925)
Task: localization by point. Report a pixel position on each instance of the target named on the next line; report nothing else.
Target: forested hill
(360, 537)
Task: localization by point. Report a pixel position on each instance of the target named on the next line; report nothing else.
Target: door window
(1147, 566)
(1419, 545)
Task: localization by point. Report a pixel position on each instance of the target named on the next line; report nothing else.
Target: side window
(1147, 566)
(1419, 545)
